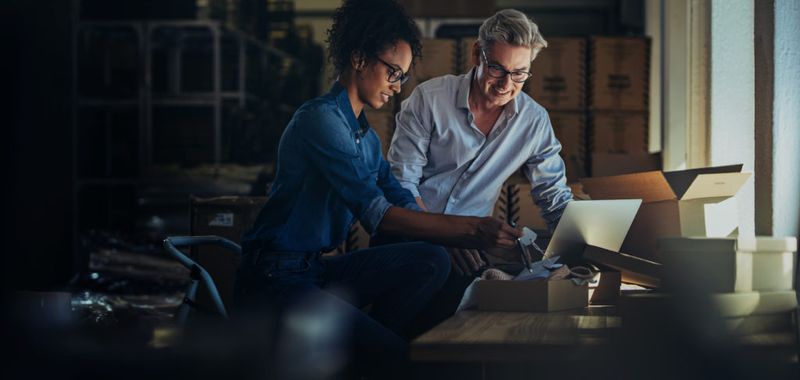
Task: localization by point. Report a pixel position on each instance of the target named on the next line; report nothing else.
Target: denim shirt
(330, 173)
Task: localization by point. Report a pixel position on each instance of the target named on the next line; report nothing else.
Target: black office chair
(198, 273)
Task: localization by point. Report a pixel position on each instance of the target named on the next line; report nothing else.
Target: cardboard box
(618, 132)
(559, 75)
(535, 296)
(450, 9)
(619, 73)
(696, 202)
(383, 122)
(741, 304)
(522, 210)
(739, 264)
(228, 217)
(569, 128)
(606, 164)
(439, 57)
(465, 62)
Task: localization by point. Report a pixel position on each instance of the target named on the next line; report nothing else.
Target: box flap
(715, 185)
(681, 180)
(647, 186)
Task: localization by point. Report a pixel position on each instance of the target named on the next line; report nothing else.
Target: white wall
(786, 118)
(731, 132)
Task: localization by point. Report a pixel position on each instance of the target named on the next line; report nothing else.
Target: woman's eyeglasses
(395, 73)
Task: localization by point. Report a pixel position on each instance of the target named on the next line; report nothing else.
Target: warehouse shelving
(133, 79)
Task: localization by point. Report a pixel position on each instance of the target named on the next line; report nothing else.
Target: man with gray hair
(458, 138)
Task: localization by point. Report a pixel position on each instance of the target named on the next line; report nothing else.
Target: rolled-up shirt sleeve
(393, 191)
(331, 149)
(412, 136)
(546, 172)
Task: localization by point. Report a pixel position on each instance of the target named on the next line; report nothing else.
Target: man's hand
(465, 261)
(495, 233)
(507, 255)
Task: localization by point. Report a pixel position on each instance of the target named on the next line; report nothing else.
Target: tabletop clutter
(684, 238)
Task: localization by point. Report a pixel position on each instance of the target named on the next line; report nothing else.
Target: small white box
(722, 265)
(773, 261)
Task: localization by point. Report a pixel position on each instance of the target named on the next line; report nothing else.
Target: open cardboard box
(695, 202)
(535, 296)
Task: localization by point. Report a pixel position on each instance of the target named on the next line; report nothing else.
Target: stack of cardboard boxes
(559, 85)
(595, 91)
(695, 202)
(619, 72)
(749, 280)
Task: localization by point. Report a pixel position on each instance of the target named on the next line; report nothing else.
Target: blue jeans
(329, 295)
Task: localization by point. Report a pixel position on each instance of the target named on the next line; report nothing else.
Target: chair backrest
(198, 273)
(227, 217)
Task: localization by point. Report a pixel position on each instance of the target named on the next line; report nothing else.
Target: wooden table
(479, 336)
(585, 342)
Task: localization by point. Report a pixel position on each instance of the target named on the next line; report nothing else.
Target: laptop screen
(602, 223)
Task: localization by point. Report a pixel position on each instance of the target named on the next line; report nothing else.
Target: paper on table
(541, 270)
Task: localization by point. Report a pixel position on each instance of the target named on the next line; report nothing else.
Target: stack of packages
(596, 93)
(558, 84)
(688, 203)
(750, 280)
(619, 72)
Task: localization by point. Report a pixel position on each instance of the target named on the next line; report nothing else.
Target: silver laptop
(602, 223)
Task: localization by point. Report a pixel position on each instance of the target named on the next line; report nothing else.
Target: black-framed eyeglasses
(395, 73)
(497, 71)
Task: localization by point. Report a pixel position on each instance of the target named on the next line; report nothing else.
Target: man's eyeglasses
(395, 73)
(497, 71)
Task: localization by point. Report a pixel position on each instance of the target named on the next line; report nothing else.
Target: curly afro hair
(369, 27)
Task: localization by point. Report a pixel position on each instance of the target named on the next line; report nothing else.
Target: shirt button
(358, 141)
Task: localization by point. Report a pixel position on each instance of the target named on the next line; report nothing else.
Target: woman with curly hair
(331, 173)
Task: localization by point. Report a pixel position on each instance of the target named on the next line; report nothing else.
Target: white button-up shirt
(440, 155)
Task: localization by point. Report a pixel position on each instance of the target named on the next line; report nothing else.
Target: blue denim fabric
(396, 279)
(330, 172)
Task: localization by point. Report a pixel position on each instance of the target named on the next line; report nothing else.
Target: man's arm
(546, 172)
(329, 147)
(412, 136)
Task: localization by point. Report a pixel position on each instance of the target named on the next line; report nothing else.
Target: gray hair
(514, 28)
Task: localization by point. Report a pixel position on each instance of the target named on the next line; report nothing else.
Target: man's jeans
(327, 295)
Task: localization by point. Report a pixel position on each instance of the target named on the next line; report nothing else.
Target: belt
(263, 256)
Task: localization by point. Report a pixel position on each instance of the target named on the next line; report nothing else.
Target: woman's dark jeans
(321, 302)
